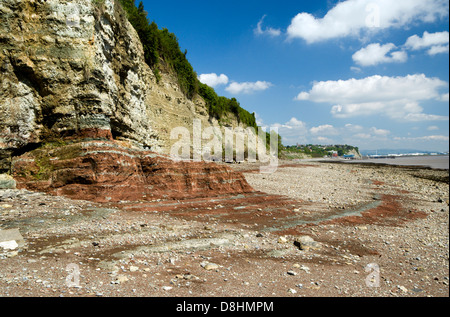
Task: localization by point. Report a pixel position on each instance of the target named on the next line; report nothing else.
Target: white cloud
(294, 122)
(292, 132)
(432, 128)
(353, 17)
(395, 97)
(248, 87)
(268, 31)
(435, 138)
(324, 140)
(374, 54)
(424, 138)
(213, 79)
(302, 96)
(445, 97)
(363, 136)
(380, 132)
(375, 89)
(296, 131)
(259, 120)
(425, 117)
(325, 129)
(353, 127)
(438, 50)
(372, 134)
(436, 43)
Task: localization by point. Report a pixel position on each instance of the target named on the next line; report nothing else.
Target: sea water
(433, 161)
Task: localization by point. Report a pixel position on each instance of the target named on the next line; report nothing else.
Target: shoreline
(437, 162)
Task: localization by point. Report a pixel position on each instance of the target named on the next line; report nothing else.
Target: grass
(44, 155)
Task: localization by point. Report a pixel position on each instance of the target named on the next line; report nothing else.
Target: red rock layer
(104, 171)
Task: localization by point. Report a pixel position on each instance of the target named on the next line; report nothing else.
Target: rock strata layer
(105, 171)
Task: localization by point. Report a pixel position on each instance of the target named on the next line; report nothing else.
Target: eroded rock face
(67, 66)
(76, 69)
(105, 171)
(80, 110)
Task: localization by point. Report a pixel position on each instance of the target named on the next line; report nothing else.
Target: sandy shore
(373, 231)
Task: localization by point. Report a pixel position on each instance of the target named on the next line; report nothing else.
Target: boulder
(107, 171)
(7, 182)
(306, 243)
(11, 239)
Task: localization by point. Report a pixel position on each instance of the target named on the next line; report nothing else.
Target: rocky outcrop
(356, 153)
(68, 66)
(7, 182)
(105, 171)
(82, 114)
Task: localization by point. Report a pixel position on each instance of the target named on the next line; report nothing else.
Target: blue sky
(369, 73)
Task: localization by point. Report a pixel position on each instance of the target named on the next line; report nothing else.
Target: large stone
(306, 243)
(7, 182)
(11, 239)
(209, 266)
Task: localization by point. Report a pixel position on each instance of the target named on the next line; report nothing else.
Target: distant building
(333, 153)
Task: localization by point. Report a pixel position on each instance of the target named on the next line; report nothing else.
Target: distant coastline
(426, 161)
(400, 152)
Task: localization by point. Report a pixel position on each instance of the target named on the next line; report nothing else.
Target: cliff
(73, 72)
(74, 67)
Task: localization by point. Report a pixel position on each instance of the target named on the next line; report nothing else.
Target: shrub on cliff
(220, 106)
(161, 45)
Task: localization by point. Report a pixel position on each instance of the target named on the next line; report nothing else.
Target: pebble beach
(310, 229)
